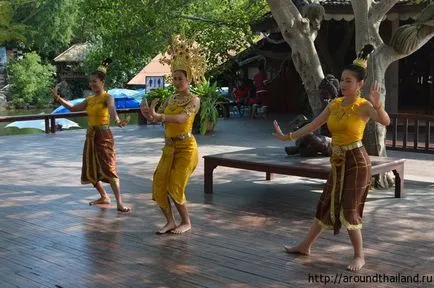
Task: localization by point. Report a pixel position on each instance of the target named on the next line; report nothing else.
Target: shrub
(31, 81)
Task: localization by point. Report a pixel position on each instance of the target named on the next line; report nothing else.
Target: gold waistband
(170, 140)
(98, 127)
(341, 149)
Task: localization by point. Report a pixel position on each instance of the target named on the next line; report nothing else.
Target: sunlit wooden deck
(50, 237)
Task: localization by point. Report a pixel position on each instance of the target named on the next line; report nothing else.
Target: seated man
(242, 92)
(314, 143)
(260, 102)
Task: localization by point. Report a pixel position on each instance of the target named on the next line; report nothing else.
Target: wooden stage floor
(50, 237)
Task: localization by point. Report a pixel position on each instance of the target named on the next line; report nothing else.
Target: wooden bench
(275, 160)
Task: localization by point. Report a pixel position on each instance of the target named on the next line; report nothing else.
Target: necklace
(179, 100)
(343, 112)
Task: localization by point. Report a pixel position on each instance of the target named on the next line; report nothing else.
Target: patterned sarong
(99, 156)
(344, 195)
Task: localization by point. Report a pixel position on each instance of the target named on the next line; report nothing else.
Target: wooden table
(275, 160)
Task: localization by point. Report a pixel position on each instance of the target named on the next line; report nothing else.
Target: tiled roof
(153, 68)
(75, 53)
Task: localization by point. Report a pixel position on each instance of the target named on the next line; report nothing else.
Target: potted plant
(210, 100)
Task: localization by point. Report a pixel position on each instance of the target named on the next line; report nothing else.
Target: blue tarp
(124, 98)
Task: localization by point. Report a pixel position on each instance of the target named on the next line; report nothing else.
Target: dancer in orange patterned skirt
(343, 198)
(99, 157)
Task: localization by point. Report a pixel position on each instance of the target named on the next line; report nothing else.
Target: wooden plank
(50, 236)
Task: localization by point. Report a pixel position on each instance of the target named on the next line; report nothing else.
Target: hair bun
(362, 57)
(103, 67)
(366, 51)
(107, 62)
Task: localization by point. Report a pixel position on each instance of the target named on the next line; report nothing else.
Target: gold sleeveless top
(174, 106)
(97, 110)
(344, 123)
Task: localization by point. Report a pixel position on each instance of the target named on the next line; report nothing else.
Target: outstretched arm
(73, 108)
(320, 120)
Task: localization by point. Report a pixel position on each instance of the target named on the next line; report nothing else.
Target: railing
(410, 132)
(407, 132)
(50, 119)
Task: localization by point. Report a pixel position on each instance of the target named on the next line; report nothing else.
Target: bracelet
(290, 136)
(379, 107)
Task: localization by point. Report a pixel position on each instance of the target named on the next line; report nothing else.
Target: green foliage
(223, 26)
(31, 81)
(209, 104)
(8, 29)
(159, 93)
(51, 24)
(132, 32)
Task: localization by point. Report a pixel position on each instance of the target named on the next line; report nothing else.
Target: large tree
(406, 40)
(50, 25)
(10, 30)
(133, 32)
(300, 33)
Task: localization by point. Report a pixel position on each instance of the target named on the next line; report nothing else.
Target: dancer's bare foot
(102, 200)
(182, 228)
(356, 264)
(167, 228)
(124, 209)
(297, 250)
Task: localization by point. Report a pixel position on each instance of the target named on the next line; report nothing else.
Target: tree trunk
(374, 138)
(300, 36)
(368, 16)
(307, 64)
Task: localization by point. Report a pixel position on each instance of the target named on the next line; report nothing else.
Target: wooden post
(47, 125)
(431, 90)
(53, 124)
(209, 167)
(142, 119)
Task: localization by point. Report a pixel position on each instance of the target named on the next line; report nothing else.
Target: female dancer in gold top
(99, 157)
(344, 195)
(180, 153)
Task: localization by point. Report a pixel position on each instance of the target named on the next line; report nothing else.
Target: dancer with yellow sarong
(99, 156)
(180, 152)
(344, 195)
